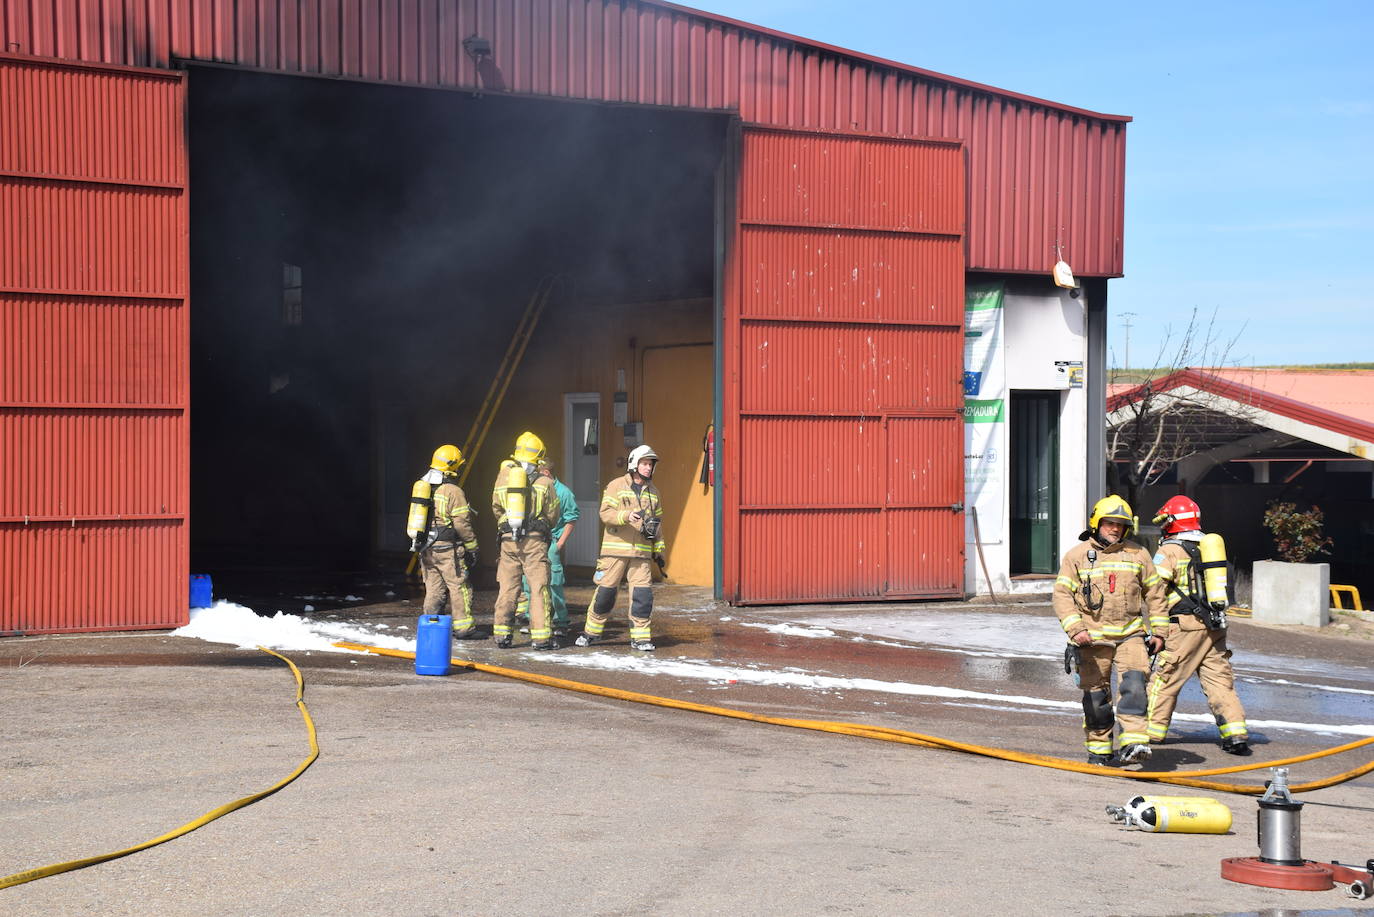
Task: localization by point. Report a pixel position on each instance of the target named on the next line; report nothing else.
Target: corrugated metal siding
(1040, 174)
(93, 342)
(843, 370)
(94, 576)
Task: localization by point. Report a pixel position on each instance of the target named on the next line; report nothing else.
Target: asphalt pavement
(477, 794)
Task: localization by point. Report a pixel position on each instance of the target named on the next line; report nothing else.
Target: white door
(581, 472)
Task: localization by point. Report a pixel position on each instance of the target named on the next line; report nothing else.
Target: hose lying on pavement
(28, 875)
(885, 734)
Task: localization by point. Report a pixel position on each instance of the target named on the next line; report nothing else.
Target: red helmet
(1179, 514)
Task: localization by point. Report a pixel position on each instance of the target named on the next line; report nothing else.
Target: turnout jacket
(1173, 563)
(1104, 596)
(622, 537)
(542, 509)
(452, 519)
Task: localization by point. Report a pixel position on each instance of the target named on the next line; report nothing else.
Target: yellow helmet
(447, 459)
(1112, 507)
(528, 448)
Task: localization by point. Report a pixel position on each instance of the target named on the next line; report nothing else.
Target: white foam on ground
(793, 630)
(798, 678)
(240, 626)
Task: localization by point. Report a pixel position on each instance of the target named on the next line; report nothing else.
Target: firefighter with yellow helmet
(632, 514)
(1193, 566)
(441, 533)
(527, 509)
(1102, 584)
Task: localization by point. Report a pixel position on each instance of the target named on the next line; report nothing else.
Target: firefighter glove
(662, 565)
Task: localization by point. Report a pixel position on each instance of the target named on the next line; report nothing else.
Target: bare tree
(1166, 421)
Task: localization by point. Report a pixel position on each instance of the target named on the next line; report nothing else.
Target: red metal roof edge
(884, 62)
(1247, 394)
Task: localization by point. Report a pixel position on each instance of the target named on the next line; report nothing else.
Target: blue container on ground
(202, 593)
(433, 644)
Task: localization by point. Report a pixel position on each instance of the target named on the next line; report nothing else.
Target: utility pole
(1126, 322)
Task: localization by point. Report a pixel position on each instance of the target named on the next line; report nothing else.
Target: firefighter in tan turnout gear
(526, 508)
(1098, 594)
(1193, 566)
(632, 516)
(441, 533)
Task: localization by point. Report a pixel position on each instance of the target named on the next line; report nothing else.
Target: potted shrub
(1291, 590)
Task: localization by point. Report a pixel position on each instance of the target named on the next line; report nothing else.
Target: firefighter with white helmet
(1098, 594)
(1193, 566)
(632, 514)
(441, 533)
(526, 508)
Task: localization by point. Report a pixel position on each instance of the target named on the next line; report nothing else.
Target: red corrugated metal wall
(1039, 173)
(93, 348)
(843, 342)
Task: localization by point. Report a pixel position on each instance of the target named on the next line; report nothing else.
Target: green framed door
(1034, 482)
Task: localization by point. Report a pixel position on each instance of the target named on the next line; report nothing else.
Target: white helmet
(639, 454)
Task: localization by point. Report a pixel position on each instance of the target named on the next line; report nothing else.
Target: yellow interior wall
(676, 384)
(578, 348)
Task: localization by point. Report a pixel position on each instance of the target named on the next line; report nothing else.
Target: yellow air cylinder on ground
(1212, 550)
(1137, 804)
(1185, 818)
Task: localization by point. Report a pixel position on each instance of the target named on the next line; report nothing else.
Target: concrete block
(1284, 593)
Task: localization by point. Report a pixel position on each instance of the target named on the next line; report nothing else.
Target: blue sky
(1249, 165)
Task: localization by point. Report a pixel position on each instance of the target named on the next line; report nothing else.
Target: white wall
(1044, 324)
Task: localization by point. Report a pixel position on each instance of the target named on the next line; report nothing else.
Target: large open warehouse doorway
(360, 256)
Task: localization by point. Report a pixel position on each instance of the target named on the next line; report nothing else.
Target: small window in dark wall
(292, 307)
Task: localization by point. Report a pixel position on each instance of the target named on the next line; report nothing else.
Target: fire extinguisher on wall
(708, 463)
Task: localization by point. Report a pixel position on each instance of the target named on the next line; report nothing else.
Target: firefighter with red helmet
(1193, 566)
(1102, 585)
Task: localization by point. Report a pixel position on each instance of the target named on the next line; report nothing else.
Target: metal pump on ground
(1280, 863)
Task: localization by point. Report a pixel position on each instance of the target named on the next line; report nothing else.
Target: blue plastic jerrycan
(434, 645)
(202, 591)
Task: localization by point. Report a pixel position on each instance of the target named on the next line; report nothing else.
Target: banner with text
(985, 410)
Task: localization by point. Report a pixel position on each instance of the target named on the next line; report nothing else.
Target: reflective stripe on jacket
(542, 513)
(452, 512)
(1173, 563)
(622, 537)
(1121, 577)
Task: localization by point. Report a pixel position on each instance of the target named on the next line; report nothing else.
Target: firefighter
(632, 515)
(567, 521)
(1195, 628)
(526, 508)
(1097, 598)
(445, 540)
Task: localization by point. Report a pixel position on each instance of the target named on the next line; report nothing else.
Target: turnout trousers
(527, 558)
(1132, 663)
(557, 580)
(609, 572)
(446, 584)
(1202, 652)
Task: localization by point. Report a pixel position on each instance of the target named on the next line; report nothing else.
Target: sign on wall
(985, 410)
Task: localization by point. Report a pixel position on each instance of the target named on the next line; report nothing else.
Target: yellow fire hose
(886, 734)
(28, 875)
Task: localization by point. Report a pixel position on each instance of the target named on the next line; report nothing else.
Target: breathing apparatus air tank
(1212, 550)
(517, 489)
(421, 503)
(1173, 814)
(1137, 804)
(1209, 817)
